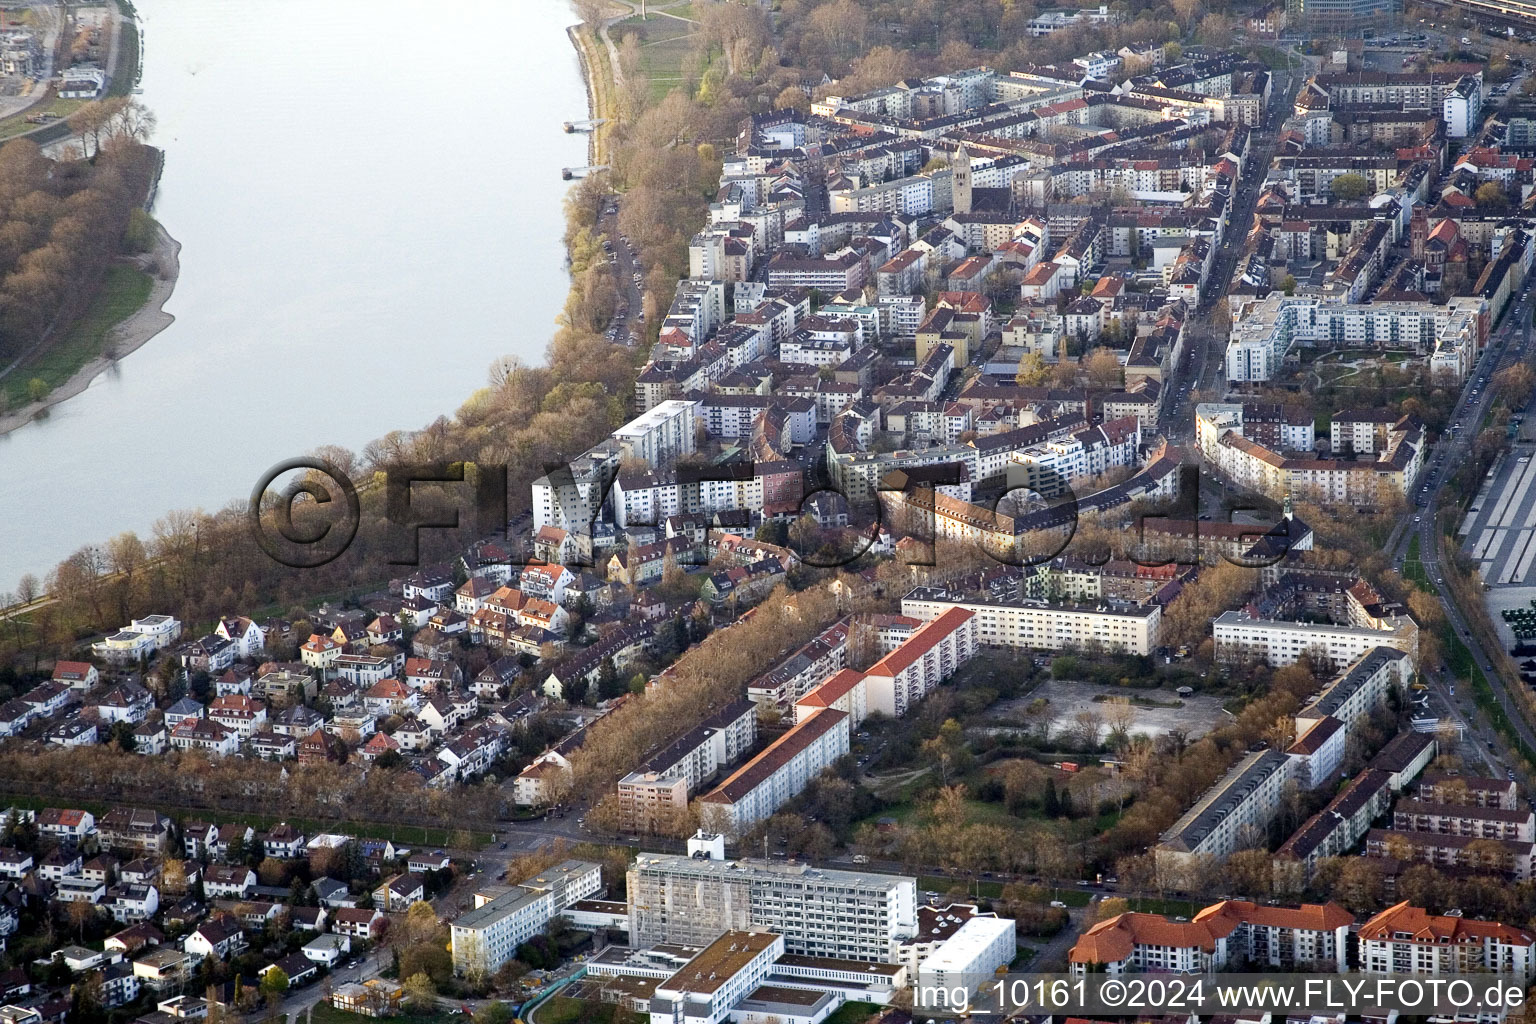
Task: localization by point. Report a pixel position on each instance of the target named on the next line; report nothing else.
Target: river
(368, 198)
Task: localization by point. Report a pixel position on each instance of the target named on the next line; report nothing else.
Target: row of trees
(189, 781)
(63, 221)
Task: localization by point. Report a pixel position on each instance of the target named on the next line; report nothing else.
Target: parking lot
(1500, 529)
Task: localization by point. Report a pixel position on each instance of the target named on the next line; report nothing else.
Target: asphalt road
(1511, 339)
(1205, 359)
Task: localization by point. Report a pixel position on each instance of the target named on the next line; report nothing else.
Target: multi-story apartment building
(1039, 624)
(1438, 788)
(488, 936)
(1470, 821)
(846, 690)
(1240, 636)
(1510, 858)
(1274, 426)
(661, 435)
(777, 775)
(1233, 814)
(1264, 331)
(933, 653)
(784, 684)
(1231, 933)
(1405, 939)
(1324, 725)
(1336, 829)
(1051, 466)
(662, 784)
(850, 915)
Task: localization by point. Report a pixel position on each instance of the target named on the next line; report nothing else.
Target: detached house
(384, 630)
(80, 676)
(283, 842)
(151, 738)
(241, 715)
(228, 881)
(297, 721)
(205, 735)
(320, 652)
(389, 697)
(135, 830)
(220, 936)
(432, 674)
(397, 894)
(378, 744)
(235, 679)
(209, 654)
(125, 702)
(249, 639)
(445, 712)
(198, 839)
(68, 826)
(183, 709)
(59, 864)
(357, 922)
(47, 699)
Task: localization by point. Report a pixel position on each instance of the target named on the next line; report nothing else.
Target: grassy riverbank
(123, 292)
(602, 97)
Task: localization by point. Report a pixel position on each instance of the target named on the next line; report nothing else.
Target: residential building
(850, 915)
(777, 775)
(488, 936)
(1232, 815)
(1111, 626)
(1405, 939)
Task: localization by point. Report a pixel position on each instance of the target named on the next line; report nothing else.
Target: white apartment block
(1264, 331)
(488, 936)
(1311, 935)
(849, 915)
(1359, 689)
(1239, 636)
(1405, 939)
(660, 435)
(1232, 815)
(932, 654)
(1049, 467)
(967, 959)
(664, 782)
(1278, 430)
(846, 690)
(777, 775)
(914, 195)
(1046, 626)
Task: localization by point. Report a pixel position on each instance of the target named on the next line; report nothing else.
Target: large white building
(849, 915)
(1239, 636)
(1405, 939)
(660, 435)
(966, 960)
(488, 936)
(708, 987)
(777, 775)
(1233, 814)
(1264, 331)
(933, 653)
(1111, 626)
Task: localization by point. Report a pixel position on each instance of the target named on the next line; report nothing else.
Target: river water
(367, 193)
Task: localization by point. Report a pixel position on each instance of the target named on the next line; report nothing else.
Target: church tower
(962, 181)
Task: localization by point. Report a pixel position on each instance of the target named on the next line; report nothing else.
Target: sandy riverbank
(164, 262)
